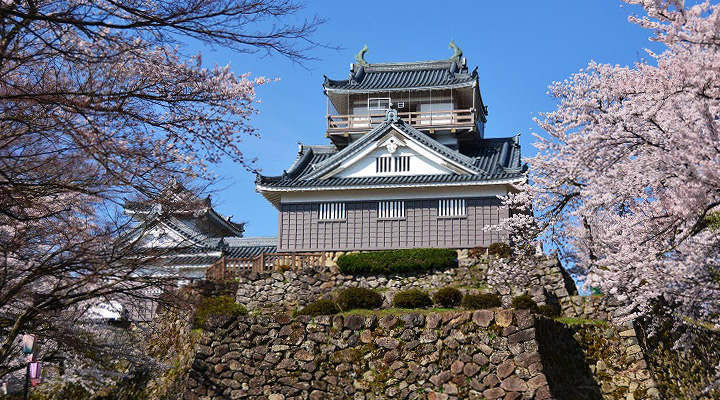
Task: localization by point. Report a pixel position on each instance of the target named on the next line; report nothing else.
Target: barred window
(391, 209)
(402, 164)
(451, 208)
(383, 164)
(392, 164)
(331, 211)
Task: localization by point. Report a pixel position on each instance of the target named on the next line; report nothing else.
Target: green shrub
(548, 311)
(390, 261)
(502, 250)
(524, 302)
(481, 301)
(477, 252)
(448, 297)
(412, 298)
(320, 307)
(218, 305)
(358, 298)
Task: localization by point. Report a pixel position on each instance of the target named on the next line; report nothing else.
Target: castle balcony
(427, 121)
(439, 111)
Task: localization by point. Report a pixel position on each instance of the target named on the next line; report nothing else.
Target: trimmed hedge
(501, 250)
(477, 252)
(320, 307)
(219, 305)
(448, 297)
(391, 261)
(412, 298)
(524, 302)
(358, 298)
(549, 311)
(481, 301)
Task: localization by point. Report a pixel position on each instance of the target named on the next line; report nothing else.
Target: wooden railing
(419, 119)
(232, 268)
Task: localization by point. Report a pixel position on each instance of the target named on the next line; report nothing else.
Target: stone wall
(546, 281)
(684, 357)
(601, 360)
(602, 308)
(487, 354)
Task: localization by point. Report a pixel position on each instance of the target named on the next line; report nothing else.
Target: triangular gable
(439, 158)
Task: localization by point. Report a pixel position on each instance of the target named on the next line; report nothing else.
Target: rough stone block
(303, 355)
(514, 384)
(494, 393)
(354, 322)
(504, 317)
(471, 369)
(457, 367)
(483, 318)
(505, 369)
(628, 333)
(437, 396)
(522, 336)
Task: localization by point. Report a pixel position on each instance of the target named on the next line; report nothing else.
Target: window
(392, 164)
(383, 164)
(331, 211)
(391, 209)
(402, 164)
(378, 104)
(451, 208)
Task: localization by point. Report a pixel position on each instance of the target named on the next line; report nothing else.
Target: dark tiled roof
(415, 75)
(249, 251)
(213, 250)
(492, 160)
(237, 247)
(188, 260)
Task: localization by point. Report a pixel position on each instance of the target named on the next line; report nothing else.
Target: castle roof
(419, 75)
(490, 161)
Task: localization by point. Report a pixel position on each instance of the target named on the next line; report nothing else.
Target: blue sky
(519, 47)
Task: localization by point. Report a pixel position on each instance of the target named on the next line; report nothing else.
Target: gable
(161, 236)
(401, 155)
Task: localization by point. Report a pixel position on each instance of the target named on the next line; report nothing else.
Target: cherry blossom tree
(99, 103)
(626, 183)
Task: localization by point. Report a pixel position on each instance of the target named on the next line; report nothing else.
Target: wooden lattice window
(391, 209)
(451, 208)
(331, 211)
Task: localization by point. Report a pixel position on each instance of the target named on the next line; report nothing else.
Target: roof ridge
(410, 65)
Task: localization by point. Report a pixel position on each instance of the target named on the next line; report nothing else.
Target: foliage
(626, 181)
(218, 305)
(481, 301)
(548, 310)
(100, 103)
(412, 298)
(358, 298)
(392, 261)
(524, 302)
(501, 250)
(477, 252)
(320, 307)
(448, 297)
(712, 220)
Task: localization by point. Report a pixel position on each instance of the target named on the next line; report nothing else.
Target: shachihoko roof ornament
(457, 53)
(360, 56)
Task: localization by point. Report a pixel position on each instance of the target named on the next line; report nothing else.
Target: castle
(408, 164)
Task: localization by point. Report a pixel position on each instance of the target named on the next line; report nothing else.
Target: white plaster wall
(419, 165)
